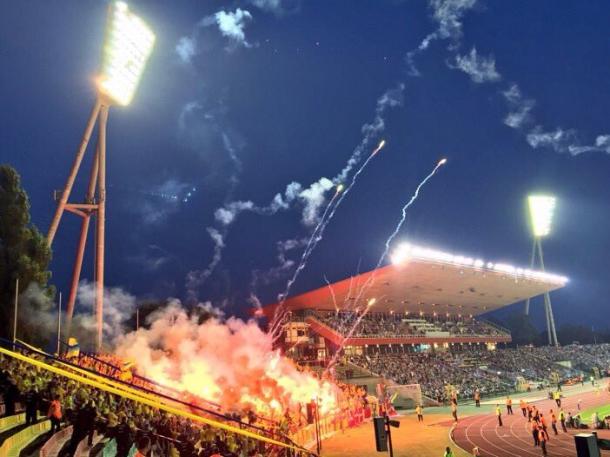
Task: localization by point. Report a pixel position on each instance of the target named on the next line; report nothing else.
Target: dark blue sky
(275, 91)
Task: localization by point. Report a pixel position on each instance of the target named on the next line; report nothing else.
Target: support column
(532, 257)
(101, 220)
(82, 242)
(554, 340)
(548, 306)
(61, 204)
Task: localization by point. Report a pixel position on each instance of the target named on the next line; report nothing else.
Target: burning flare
(231, 363)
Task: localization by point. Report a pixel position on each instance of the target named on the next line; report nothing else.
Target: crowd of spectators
(121, 421)
(492, 372)
(376, 324)
(434, 372)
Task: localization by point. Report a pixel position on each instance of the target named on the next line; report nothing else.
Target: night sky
(242, 98)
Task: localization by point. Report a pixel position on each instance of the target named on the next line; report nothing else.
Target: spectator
(31, 406)
(55, 414)
(143, 447)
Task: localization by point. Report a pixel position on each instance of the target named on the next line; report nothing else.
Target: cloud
(156, 205)
(119, 306)
(480, 69)
(559, 139)
(448, 14)
(277, 7)
(520, 108)
(186, 49)
(313, 199)
(603, 143)
(566, 141)
(391, 98)
(151, 258)
(196, 278)
(284, 265)
(232, 25)
(227, 214)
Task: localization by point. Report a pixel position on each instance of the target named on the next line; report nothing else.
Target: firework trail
(369, 282)
(332, 293)
(340, 188)
(404, 211)
(317, 237)
(349, 334)
(311, 244)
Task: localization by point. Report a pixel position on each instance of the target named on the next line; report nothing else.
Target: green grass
(602, 411)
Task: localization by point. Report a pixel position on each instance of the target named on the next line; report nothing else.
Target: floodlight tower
(127, 46)
(541, 208)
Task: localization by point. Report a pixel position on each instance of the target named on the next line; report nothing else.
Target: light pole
(541, 209)
(59, 326)
(127, 46)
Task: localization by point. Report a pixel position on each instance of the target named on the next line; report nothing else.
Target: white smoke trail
(280, 311)
(311, 198)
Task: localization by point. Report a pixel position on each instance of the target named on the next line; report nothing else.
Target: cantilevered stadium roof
(430, 281)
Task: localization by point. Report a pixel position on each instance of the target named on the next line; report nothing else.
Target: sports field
(411, 439)
(477, 426)
(602, 411)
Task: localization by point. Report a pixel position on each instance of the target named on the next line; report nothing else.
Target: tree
(24, 253)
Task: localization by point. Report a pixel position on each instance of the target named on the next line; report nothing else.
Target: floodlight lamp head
(541, 209)
(127, 46)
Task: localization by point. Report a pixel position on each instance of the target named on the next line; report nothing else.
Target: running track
(514, 439)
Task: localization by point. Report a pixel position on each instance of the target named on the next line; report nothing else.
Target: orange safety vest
(509, 402)
(55, 410)
(553, 419)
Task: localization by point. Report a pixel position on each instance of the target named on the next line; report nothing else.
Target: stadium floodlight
(541, 209)
(127, 47)
(405, 252)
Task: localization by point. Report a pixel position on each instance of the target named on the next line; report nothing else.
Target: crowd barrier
(329, 425)
(50, 447)
(13, 445)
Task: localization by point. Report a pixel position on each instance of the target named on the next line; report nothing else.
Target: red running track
(514, 438)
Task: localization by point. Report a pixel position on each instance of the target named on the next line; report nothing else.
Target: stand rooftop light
(127, 46)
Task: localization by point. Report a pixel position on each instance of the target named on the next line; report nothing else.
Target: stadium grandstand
(418, 321)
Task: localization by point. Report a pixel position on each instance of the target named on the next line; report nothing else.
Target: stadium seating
(492, 372)
(380, 325)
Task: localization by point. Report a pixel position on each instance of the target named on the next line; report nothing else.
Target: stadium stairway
(49, 446)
